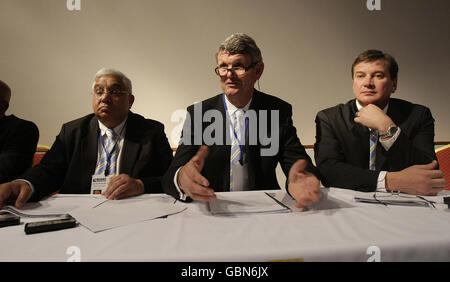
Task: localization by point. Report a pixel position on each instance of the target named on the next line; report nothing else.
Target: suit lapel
(361, 135)
(254, 151)
(131, 145)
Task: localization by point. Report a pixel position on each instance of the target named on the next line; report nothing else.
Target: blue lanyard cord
(241, 147)
(116, 140)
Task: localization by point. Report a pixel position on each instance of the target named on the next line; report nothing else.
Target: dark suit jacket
(261, 169)
(70, 163)
(342, 146)
(18, 140)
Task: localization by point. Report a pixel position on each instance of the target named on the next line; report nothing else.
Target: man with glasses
(18, 139)
(113, 151)
(233, 162)
(375, 141)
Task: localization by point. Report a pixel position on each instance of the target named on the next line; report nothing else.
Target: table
(361, 232)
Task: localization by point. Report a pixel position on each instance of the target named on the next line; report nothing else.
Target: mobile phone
(8, 219)
(49, 225)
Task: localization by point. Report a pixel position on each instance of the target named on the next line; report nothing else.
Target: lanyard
(116, 140)
(241, 147)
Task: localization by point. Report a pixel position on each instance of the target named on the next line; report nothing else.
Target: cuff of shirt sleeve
(387, 144)
(180, 192)
(381, 184)
(29, 184)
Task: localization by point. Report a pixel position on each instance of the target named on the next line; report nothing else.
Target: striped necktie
(373, 149)
(237, 137)
(108, 158)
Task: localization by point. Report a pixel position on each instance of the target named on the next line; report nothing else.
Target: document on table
(233, 204)
(326, 202)
(57, 206)
(112, 214)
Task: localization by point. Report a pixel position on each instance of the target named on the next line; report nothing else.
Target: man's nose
(104, 97)
(368, 82)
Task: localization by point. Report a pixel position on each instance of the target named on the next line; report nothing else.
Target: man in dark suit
(221, 150)
(374, 141)
(18, 139)
(111, 141)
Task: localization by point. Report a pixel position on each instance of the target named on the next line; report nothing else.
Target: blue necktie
(108, 158)
(237, 141)
(373, 149)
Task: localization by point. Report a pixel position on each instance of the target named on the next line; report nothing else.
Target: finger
(24, 195)
(436, 174)
(115, 183)
(123, 191)
(189, 175)
(203, 198)
(200, 179)
(303, 204)
(429, 166)
(434, 191)
(196, 189)
(438, 183)
(201, 155)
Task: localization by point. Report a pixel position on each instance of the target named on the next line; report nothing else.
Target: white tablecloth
(338, 234)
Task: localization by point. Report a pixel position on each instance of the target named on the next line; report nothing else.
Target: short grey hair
(126, 82)
(240, 43)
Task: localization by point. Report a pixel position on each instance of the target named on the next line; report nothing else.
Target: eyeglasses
(113, 93)
(240, 70)
(396, 198)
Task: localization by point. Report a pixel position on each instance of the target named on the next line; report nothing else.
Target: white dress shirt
(387, 144)
(240, 172)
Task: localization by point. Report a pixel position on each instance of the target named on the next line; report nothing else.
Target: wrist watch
(390, 132)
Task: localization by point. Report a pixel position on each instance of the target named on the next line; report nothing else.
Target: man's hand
(303, 186)
(123, 186)
(373, 117)
(424, 180)
(14, 193)
(192, 182)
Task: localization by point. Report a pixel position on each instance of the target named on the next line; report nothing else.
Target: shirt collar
(117, 130)
(231, 108)
(358, 106)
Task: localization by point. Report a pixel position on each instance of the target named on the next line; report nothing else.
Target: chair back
(443, 155)
(41, 150)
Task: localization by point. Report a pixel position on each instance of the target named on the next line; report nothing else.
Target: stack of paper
(232, 204)
(111, 214)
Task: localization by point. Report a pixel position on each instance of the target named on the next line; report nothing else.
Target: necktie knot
(110, 133)
(238, 114)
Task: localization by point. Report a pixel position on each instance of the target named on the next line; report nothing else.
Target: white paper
(55, 206)
(112, 214)
(326, 202)
(230, 204)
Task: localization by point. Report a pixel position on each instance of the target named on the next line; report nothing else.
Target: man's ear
(259, 68)
(130, 100)
(394, 85)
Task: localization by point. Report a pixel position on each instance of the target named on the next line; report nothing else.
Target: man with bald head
(18, 139)
(112, 151)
